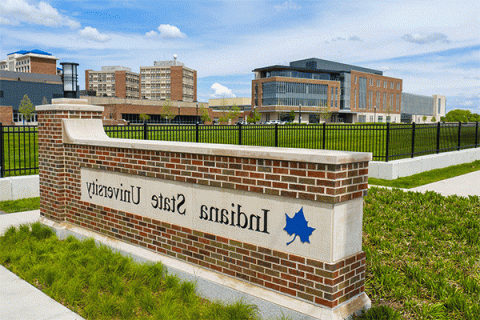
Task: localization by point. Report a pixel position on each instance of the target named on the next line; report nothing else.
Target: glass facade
(345, 87)
(362, 100)
(297, 74)
(294, 94)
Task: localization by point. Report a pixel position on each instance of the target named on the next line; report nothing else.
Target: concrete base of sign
(216, 286)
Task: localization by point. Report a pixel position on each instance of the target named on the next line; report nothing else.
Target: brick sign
(290, 225)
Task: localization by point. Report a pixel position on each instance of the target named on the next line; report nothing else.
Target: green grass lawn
(21, 205)
(427, 177)
(423, 262)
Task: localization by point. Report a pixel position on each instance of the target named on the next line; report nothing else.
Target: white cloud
(93, 34)
(425, 38)
(151, 34)
(287, 5)
(168, 31)
(5, 21)
(43, 14)
(355, 38)
(221, 91)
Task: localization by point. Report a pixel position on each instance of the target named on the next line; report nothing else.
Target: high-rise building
(168, 80)
(30, 61)
(422, 109)
(315, 87)
(113, 81)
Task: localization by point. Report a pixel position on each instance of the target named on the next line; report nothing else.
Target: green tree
(144, 117)
(254, 117)
(424, 118)
(325, 113)
(223, 108)
(204, 114)
(459, 115)
(434, 119)
(291, 116)
(167, 112)
(233, 112)
(26, 108)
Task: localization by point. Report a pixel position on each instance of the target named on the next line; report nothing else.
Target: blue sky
(434, 46)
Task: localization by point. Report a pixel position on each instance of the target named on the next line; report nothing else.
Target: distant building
(113, 81)
(14, 85)
(168, 80)
(309, 87)
(244, 104)
(422, 109)
(33, 61)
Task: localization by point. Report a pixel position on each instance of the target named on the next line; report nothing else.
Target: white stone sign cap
(90, 132)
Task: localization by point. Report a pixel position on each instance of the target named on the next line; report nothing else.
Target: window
(1, 96)
(384, 101)
(370, 82)
(380, 118)
(355, 79)
(391, 85)
(385, 84)
(355, 99)
(439, 102)
(378, 83)
(398, 86)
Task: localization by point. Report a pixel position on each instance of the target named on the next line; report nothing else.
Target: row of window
(385, 83)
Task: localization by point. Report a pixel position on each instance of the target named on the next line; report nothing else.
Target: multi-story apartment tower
(113, 81)
(308, 87)
(30, 61)
(168, 80)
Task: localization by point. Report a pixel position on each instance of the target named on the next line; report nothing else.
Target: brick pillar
(51, 151)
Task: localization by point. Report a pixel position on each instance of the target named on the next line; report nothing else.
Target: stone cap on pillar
(67, 104)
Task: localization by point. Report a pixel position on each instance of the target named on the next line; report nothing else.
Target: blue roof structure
(35, 51)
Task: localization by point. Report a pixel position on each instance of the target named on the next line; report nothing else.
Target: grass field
(21, 146)
(423, 262)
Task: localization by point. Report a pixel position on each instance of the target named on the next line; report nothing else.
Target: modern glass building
(315, 87)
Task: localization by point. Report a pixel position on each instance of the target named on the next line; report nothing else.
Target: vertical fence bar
(2, 162)
(459, 134)
(413, 139)
(239, 134)
(145, 132)
(387, 145)
(196, 132)
(438, 137)
(476, 134)
(276, 134)
(324, 134)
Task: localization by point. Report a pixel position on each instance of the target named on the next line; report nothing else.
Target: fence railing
(386, 142)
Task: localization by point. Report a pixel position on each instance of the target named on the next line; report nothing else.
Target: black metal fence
(386, 142)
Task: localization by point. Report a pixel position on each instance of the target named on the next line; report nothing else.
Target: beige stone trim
(90, 132)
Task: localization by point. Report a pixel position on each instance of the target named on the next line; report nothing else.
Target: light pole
(375, 114)
(300, 114)
(197, 113)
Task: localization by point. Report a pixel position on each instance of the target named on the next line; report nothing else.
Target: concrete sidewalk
(464, 186)
(18, 298)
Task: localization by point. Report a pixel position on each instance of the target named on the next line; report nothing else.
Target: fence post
(239, 134)
(388, 141)
(459, 134)
(476, 134)
(413, 139)
(324, 134)
(276, 134)
(196, 132)
(145, 131)
(2, 162)
(438, 137)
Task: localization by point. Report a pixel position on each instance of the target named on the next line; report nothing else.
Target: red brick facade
(325, 284)
(43, 66)
(6, 116)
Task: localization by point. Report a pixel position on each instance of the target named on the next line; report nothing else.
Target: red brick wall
(43, 66)
(121, 84)
(325, 284)
(176, 76)
(6, 116)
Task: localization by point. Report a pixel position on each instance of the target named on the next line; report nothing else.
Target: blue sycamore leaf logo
(298, 225)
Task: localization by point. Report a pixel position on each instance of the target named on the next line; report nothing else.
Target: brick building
(113, 81)
(168, 80)
(312, 86)
(33, 61)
